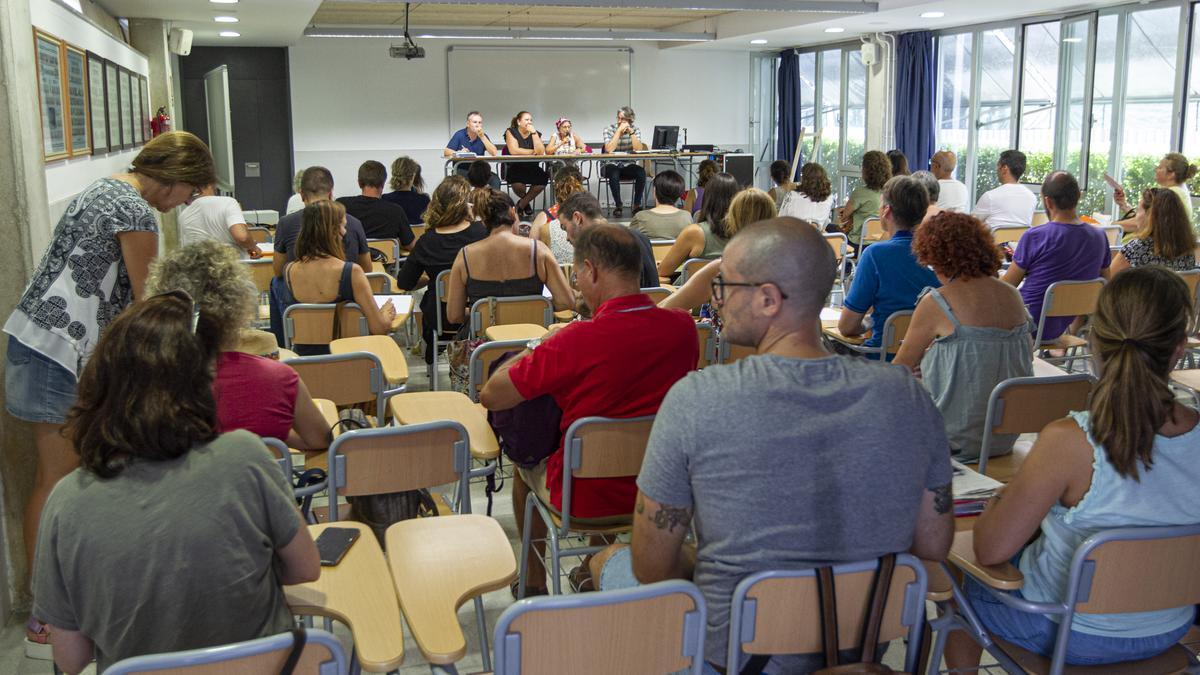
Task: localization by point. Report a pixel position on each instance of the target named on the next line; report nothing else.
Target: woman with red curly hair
(969, 335)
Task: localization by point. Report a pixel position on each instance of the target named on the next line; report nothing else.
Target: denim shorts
(1037, 633)
(37, 388)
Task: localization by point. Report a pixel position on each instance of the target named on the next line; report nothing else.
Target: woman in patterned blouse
(1166, 238)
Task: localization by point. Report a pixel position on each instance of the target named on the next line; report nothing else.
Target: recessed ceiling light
(835, 29)
(225, 19)
(759, 41)
(224, 2)
(932, 15)
(230, 33)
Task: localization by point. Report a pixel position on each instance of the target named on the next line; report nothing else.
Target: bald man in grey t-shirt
(793, 457)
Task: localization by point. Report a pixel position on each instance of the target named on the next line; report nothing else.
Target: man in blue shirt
(888, 277)
(472, 138)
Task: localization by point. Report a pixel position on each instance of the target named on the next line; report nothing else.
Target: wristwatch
(533, 344)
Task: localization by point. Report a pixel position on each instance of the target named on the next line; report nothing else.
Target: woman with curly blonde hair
(252, 392)
(969, 335)
(408, 189)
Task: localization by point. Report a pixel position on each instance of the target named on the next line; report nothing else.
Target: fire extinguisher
(161, 123)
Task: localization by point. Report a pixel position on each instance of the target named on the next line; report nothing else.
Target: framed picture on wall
(145, 109)
(97, 103)
(79, 115)
(49, 49)
(112, 98)
(127, 139)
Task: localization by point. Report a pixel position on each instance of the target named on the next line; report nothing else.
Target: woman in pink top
(252, 392)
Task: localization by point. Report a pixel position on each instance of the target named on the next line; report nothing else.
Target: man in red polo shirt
(620, 363)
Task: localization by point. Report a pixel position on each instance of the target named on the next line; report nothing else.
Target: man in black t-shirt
(582, 210)
(381, 219)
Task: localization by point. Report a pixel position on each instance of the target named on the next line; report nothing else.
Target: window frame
(843, 171)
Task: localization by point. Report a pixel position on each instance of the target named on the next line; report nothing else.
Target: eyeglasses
(181, 294)
(719, 285)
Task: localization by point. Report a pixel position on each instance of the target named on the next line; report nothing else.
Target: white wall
(351, 102)
(66, 177)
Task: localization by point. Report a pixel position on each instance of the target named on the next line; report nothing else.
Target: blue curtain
(915, 96)
(789, 105)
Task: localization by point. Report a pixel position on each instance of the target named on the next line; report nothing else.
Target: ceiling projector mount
(409, 50)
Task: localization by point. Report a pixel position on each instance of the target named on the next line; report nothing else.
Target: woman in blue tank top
(1130, 460)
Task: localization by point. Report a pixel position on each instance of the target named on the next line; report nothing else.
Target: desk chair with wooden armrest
(728, 352)
(390, 355)
(690, 267)
(1113, 233)
(261, 273)
(418, 229)
(477, 375)
(389, 247)
(283, 455)
(778, 612)
(531, 309)
(1039, 218)
(322, 654)
(355, 378)
(260, 235)
(312, 323)
(656, 628)
(1008, 234)
(1192, 279)
(1134, 569)
(1025, 405)
(872, 231)
(840, 243)
(660, 247)
(382, 283)
(440, 290)
(894, 330)
(593, 447)
(1067, 299)
(709, 355)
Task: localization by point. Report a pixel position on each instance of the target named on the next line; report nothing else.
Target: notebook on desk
(402, 303)
(972, 490)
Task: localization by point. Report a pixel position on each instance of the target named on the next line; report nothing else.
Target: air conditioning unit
(179, 41)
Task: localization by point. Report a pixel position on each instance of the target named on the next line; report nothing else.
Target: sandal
(37, 641)
(530, 591)
(581, 580)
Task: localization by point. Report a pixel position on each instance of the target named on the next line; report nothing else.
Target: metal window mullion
(1120, 73)
(1014, 129)
(1181, 74)
(1089, 82)
(973, 116)
(843, 104)
(818, 107)
(1062, 113)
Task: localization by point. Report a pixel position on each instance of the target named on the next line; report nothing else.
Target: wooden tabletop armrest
(940, 584)
(1004, 576)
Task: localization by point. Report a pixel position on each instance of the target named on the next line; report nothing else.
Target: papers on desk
(830, 314)
(972, 490)
(546, 292)
(465, 154)
(402, 303)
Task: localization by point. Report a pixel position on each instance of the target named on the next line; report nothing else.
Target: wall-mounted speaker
(179, 41)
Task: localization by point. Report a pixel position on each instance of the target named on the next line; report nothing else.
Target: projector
(408, 52)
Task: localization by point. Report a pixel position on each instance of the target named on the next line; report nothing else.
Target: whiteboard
(220, 135)
(584, 84)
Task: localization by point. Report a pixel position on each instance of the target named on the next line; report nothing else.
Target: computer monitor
(665, 138)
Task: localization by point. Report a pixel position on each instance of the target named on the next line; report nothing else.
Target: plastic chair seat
(580, 527)
(432, 406)
(1173, 660)
(391, 357)
(514, 331)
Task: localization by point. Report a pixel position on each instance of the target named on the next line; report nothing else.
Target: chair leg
(526, 543)
(554, 571)
(484, 652)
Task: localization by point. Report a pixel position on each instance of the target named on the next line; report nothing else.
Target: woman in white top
(566, 141)
(812, 199)
(1173, 172)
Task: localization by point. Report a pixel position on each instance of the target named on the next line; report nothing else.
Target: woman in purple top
(1064, 249)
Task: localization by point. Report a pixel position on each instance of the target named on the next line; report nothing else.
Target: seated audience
(212, 217)
(546, 226)
(208, 531)
(450, 229)
(582, 210)
(933, 189)
(694, 200)
(664, 221)
(478, 175)
(812, 198)
(502, 265)
(408, 189)
(864, 199)
(295, 202)
(750, 482)
(1010, 204)
(315, 185)
(527, 179)
(899, 163)
(566, 141)
(472, 140)
(1064, 249)
(1129, 460)
(781, 176)
(969, 335)
(620, 363)
(952, 193)
(1134, 220)
(255, 393)
(321, 274)
(380, 218)
(624, 136)
(706, 238)
(1172, 173)
(1167, 238)
(888, 277)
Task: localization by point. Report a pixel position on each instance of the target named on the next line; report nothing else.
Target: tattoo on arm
(943, 498)
(667, 517)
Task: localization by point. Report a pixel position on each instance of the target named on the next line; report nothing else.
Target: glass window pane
(954, 95)
(1095, 196)
(1039, 96)
(808, 100)
(831, 104)
(856, 108)
(1074, 54)
(997, 56)
(1149, 92)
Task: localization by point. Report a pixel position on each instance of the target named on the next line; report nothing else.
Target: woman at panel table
(208, 530)
(320, 273)
(95, 267)
(971, 334)
(1129, 460)
(1173, 172)
(1166, 238)
(252, 392)
(566, 141)
(527, 179)
(503, 265)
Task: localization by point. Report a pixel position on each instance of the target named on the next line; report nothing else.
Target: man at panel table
(472, 139)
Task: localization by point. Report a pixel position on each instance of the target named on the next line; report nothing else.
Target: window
(833, 106)
(1039, 99)
(1101, 143)
(856, 109)
(953, 107)
(831, 109)
(1151, 46)
(997, 56)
